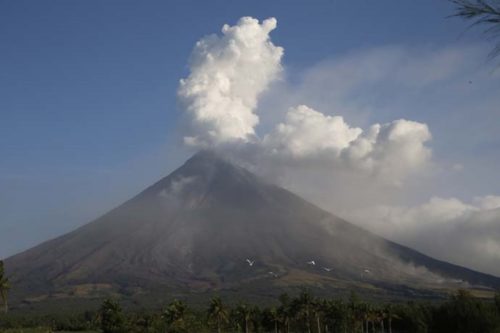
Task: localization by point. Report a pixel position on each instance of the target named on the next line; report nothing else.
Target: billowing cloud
(467, 234)
(220, 97)
(321, 139)
(228, 73)
(307, 133)
(390, 150)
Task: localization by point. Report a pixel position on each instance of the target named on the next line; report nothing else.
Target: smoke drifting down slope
(329, 135)
(198, 229)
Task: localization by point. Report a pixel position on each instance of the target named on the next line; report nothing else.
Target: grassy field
(41, 330)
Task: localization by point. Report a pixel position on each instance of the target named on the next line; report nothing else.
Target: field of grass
(28, 330)
(41, 330)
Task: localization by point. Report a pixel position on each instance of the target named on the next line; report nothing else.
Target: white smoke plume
(307, 133)
(228, 73)
(467, 234)
(318, 154)
(390, 150)
(220, 97)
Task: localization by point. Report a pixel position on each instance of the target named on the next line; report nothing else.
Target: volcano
(213, 226)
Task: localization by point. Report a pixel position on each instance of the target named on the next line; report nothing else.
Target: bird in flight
(312, 263)
(250, 262)
(327, 269)
(273, 274)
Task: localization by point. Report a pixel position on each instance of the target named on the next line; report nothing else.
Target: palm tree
(285, 312)
(4, 287)
(274, 315)
(112, 318)
(390, 315)
(175, 315)
(330, 315)
(319, 310)
(243, 314)
(358, 314)
(497, 301)
(145, 323)
(303, 308)
(371, 317)
(484, 13)
(382, 316)
(218, 313)
(256, 318)
(336, 316)
(363, 313)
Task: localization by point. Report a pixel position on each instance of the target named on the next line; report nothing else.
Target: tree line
(292, 314)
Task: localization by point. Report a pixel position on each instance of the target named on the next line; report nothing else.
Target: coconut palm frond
(484, 13)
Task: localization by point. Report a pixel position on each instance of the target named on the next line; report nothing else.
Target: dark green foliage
(57, 322)
(145, 323)
(271, 319)
(218, 314)
(242, 317)
(497, 302)
(465, 314)
(284, 312)
(4, 286)
(112, 317)
(303, 310)
(336, 316)
(302, 313)
(175, 316)
(412, 317)
(483, 12)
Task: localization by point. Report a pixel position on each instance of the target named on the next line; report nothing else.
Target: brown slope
(195, 229)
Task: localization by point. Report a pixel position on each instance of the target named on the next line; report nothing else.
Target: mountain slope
(195, 229)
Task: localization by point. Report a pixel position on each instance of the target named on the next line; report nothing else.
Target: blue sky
(88, 91)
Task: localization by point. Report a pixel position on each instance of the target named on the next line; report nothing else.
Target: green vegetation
(112, 318)
(175, 316)
(303, 313)
(4, 287)
(40, 330)
(218, 313)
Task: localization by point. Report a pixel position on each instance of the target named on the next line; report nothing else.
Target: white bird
(312, 262)
(327, 269)
(273, 274)
(250, 262)
(367, 271)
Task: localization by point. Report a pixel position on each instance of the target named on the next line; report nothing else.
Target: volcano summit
(212, 226)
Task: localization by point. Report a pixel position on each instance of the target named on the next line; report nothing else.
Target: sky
(387, 111)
